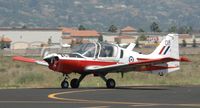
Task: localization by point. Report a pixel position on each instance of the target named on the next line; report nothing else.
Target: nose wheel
(74, 82)
(64, 84)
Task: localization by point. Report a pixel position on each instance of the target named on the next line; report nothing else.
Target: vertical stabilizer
(168, 47)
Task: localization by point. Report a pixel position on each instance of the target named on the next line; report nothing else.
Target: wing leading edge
(30, 60)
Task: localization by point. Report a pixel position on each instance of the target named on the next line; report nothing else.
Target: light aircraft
(101, 59)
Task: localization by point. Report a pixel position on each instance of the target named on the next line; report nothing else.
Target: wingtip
(20, 58)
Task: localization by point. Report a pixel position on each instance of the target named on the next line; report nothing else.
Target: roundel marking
(131, 59)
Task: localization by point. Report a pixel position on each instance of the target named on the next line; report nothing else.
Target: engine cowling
(53, 62)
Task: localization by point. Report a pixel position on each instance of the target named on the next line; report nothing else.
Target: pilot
(108, 51)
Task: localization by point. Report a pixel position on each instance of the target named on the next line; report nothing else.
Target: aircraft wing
(30, 60)
(133, 66)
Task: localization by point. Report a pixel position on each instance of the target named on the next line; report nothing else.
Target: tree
(2, 45)
(184, 43)
(194, 44)
(81, 27)
(140, 30)
(50, 41)
(112, 28)
(172, 29)
(142, 38)
(190, 29)
(185, 30)
(155, 27)
(24, 27)
(137, 43)
(100, 38)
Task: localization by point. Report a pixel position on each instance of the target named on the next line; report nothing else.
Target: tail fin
(168, 47)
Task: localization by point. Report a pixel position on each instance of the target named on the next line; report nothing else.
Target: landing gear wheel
(64, 84)
(110, 83)
(74, 83)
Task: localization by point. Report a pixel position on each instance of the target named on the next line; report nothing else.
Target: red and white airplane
(100, 59)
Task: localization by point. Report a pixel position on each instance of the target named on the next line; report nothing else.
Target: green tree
(184, 43)
(112, 28)
(24, 27)
(154, 27)
(182, 30)
(142, 38)
(172, 29)
(194, 44)
(190, 29)
(81, 27)
(2, 45)
(140, 30)
(137, 43)
(100, 38)
(185, 30)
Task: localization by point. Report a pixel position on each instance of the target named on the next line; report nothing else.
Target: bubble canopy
(95, 50)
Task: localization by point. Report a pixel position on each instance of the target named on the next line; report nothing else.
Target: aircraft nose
(51, 60)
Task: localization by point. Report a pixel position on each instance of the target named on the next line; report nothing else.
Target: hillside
(99, 14)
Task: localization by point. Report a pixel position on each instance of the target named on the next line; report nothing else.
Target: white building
(31, 37)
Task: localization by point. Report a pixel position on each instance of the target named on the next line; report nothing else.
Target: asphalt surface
(137, 96)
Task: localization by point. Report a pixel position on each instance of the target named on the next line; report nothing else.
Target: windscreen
(86, 49)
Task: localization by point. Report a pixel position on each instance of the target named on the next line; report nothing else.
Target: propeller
(51, 60)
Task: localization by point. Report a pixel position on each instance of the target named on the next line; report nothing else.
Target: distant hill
(100, 14)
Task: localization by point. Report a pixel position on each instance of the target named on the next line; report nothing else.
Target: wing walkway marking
(55, 96)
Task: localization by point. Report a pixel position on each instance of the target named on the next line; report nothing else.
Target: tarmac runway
(136, 96)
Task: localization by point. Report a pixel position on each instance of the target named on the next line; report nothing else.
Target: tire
(64, 84)
(74, 83)
(110, 83)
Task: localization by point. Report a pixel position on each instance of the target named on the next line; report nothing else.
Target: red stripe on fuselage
(162, 50)
(69, 65)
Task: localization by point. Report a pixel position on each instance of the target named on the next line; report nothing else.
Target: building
(87, 35)
(125, 39)
(73, 34)
(128, 29)
(187, 37)
(23, 38)
(67, 40)
(128, 32)
(5, 42)
(109, 36)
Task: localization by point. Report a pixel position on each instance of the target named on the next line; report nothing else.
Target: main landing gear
(110, 83)
(74, 82)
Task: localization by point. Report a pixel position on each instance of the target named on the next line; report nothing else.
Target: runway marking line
(55, 96)
(97, 107)
(39, 102)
